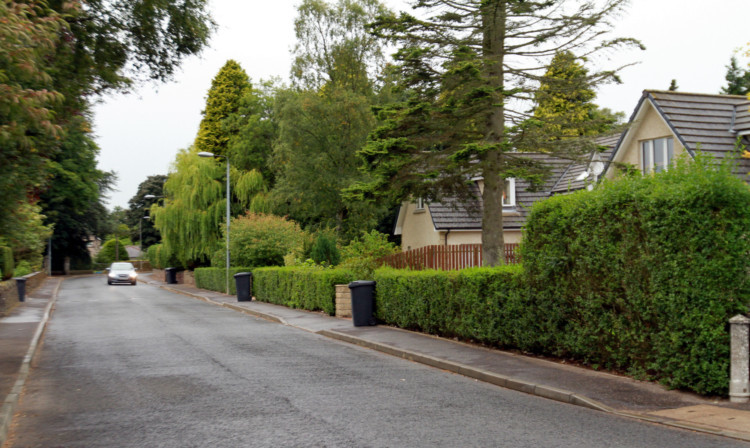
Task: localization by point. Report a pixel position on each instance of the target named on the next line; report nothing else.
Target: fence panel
(445, 257)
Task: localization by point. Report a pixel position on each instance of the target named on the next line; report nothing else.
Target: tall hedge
(6, 263)
(642, 274)
(482, 304)
(308, 288)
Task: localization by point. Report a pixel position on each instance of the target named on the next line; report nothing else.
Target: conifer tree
(738, 79)
(470, 69)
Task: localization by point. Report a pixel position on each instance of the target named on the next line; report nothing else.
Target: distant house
(453, 221)
(663, 126)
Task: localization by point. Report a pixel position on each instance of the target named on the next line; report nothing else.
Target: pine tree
(470, 70)
(738, 80)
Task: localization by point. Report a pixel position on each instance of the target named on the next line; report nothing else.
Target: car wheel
(109, 282)
(134, 282)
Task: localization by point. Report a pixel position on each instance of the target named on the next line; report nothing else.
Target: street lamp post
(212, 155)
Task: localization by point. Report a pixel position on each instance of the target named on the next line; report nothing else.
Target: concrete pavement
(20, 333)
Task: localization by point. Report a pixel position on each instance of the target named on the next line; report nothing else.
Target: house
(663, 126)
(666, 125)
(452, 221)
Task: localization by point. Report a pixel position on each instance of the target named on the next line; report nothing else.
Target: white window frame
(647, 155)
(509, 197)
(419, 204)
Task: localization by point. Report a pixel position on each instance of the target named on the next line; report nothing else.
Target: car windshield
(122, 266)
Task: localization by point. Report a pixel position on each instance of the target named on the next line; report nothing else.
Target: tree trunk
(493, 242)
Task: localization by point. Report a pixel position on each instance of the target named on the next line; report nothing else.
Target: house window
(420, 204)
(509, 193)
(657, 154)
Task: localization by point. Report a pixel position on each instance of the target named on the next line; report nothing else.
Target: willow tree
(190, 219)
(470, 70)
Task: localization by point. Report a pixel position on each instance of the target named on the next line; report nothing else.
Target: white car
(121, 273)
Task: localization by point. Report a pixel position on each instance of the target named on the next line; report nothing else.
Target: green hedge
(481, 304)
(214, 279)
(642, 274)
(307, 288)
(6, 263)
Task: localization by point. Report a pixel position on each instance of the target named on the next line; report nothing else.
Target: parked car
(121, 273)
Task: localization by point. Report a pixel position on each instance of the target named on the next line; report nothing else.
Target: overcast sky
(139, 134)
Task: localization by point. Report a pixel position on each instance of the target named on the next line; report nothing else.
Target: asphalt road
(135, 366)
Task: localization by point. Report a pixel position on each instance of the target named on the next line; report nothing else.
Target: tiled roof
(711, 123)
(466, 214)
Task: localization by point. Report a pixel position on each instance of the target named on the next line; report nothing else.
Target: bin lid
(20, 279)
(243, 274)
(358, 283)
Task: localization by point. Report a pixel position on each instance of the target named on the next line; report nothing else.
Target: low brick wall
(9, 290)
(182, 277)
(343, 301)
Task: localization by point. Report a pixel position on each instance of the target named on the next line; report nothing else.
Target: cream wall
(647, 126)
(463, 237)
(418, 230)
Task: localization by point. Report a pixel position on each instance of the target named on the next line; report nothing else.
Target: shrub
(6, 263)
(324, 250)
(258, 239)
(309, 288)
(481, 304)
(214, 279)
(642, 274)
(23, 268)
(361, 255)
(108, 252)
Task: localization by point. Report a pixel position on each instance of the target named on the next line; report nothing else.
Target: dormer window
(509, 193)
(657, 154)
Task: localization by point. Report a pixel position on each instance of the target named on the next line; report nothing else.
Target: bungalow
(663, 126)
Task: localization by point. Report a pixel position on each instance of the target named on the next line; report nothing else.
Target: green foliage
(309, 288)
(482, 304)
(467, 74)
(112, 250)
(139, 207)
(334, 51)
(738, 79)
(315, 159)
(642, 274)
(160, 257)
(25, 233)
(324, 250)
(23, 268)
(258, 239)
(361, 254)
(228, 88)
(6, 263)
(214, 279)
(565, 101)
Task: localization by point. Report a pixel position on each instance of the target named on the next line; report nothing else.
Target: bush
(23, 268)
(481, 304)
(642, 274)
(256, 239)
(109, 250)
(309, 288)
(214, 279)
(324, 250)
(361, 255)
(6, 263)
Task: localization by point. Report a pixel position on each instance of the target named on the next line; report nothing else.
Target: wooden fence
(445, 257)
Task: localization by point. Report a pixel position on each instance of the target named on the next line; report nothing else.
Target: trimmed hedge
(482, 304)
(214, 279)
(6, 263)
(307, 288)
(642, 274)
